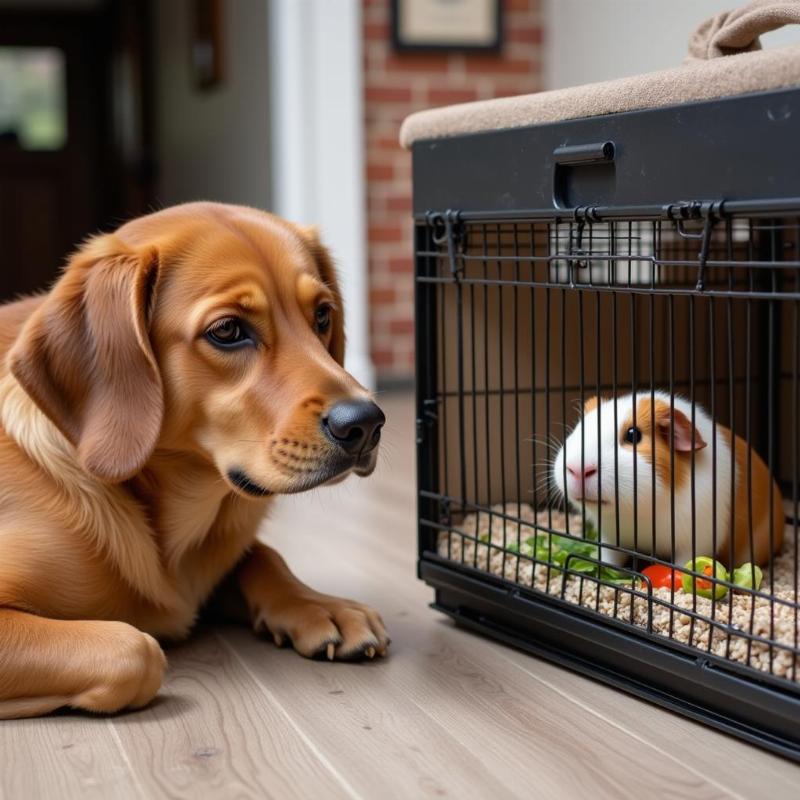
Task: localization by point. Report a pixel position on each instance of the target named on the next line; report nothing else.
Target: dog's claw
(370, 652)
(331, 649)
(278, 638)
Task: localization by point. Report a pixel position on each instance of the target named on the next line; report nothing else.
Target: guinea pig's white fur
(614, 516)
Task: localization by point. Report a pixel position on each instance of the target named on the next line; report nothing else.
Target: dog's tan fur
(119, 425)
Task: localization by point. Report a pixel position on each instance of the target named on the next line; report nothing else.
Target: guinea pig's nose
(355, 425)
(582, 474)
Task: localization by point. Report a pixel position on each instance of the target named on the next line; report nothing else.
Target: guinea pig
(608, 461)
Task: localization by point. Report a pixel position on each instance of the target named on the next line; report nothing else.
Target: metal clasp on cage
(427, 420)
(710, 212)
(578, 257)
(445, 512)
(450, 230)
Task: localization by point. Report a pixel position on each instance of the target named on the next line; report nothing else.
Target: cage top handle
(738, 31)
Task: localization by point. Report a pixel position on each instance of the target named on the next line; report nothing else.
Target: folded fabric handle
(737, 31)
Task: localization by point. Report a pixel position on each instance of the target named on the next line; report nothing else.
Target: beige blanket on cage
(725, 58)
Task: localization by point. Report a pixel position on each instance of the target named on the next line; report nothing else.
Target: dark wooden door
(56, 192)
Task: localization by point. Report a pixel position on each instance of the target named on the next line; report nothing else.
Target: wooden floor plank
(520, 730)
(65, 755)
(743, 769)
(536, 737)
(383, 744)
(214, 734)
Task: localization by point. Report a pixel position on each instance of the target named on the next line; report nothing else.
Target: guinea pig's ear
(327, 272)
(84, 357)
(685, 442)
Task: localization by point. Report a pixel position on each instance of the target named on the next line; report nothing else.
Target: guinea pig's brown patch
(654, 422)
(682, 465)
(752, 502)
(647, 448)
(674, 433)
(590, 404)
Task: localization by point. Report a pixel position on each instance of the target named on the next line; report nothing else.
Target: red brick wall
(395, 84)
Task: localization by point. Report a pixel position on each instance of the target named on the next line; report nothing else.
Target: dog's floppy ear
(327, 271)
(85, 358)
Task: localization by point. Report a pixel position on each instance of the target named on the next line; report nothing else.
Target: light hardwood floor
(448, 714)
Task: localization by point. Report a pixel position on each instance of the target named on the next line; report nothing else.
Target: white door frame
(317, 124)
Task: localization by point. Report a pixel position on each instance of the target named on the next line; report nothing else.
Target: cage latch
(578, 257)
(708, 227)
(710, 212)
(445, 511)
(449, 229)
(427, 420)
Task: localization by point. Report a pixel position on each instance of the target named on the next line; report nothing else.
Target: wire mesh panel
(610, 417)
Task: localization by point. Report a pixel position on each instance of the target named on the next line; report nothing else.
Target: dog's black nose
(354, 425)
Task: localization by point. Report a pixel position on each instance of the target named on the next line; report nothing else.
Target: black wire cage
(608, 400)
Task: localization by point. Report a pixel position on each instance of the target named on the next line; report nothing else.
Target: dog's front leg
(316, 624)
(94, 665)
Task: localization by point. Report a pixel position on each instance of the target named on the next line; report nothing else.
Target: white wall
(318, 144)
(214, 144)
(595, 40)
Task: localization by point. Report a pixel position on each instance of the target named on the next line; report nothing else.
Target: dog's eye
(228, 333)
(632, 436)
(322, 318)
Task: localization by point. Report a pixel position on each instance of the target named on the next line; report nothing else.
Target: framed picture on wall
(459, 25)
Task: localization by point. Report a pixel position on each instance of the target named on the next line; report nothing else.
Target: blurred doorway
(74, 144)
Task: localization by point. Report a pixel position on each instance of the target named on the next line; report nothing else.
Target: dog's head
(209, 329)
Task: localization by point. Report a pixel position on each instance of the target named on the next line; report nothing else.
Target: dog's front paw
(126, 670)
(320, 625)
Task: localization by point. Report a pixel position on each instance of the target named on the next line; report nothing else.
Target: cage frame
(589, 170)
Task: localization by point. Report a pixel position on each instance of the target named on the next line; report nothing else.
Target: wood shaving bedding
(775, 621)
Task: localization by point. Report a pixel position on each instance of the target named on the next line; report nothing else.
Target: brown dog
(180, 373)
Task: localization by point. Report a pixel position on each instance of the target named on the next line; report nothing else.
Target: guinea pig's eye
(632, 436)
(322, 318)
(228, 334)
